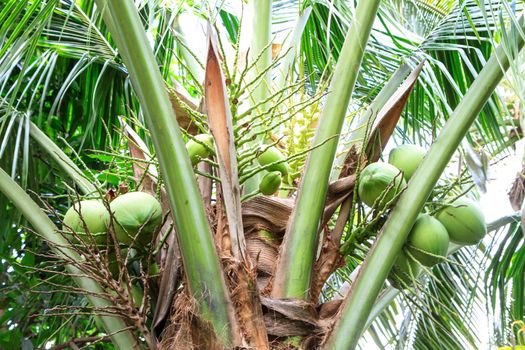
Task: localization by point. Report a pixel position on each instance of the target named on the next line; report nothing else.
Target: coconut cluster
(460, 221)
(200, 147)
(136, 218)
(275, 169)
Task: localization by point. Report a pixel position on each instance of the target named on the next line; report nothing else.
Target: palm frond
(504, 284)
(456, 42)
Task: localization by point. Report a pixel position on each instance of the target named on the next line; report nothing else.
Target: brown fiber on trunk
(329, 261)
(186, 330)
(245, 296)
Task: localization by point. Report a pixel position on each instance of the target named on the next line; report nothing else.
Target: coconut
(136, 213)
(270, 183)
(374, 181)
(428, 240)
(404, 272)
(272, 155)
(136, 292)
(87, 216)
(464, 221)
(113, 264)
(406, 158)
(200, 147)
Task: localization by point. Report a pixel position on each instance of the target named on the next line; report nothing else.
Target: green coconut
(375, 179)
(136, 292)
(270, 183)
(407, 158)
(464, 221)
(136, 213)
(428, 240)
(197, 148)
(87, 216)
(113, 264)
(404, 272)
(272, 155)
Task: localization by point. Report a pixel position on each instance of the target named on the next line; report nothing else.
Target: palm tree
(100, 98)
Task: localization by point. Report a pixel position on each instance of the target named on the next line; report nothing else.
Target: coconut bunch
(459, 220)
(135, 217)
(124, 271)
(276, 169)
(271, 159)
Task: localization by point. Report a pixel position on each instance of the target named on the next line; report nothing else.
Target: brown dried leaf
(205, 184)
(329, 309)
(266, 213)
(341, 186)
(290, 317)
(222, 233)
(139, 150)
(280, 326)
(517, 192)
(169, 282)
(272, 213)
(389, 115)
(329, 260)
(220, 121)
(294, 309)
(181, 103)
(350, 164)
(262, 253)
